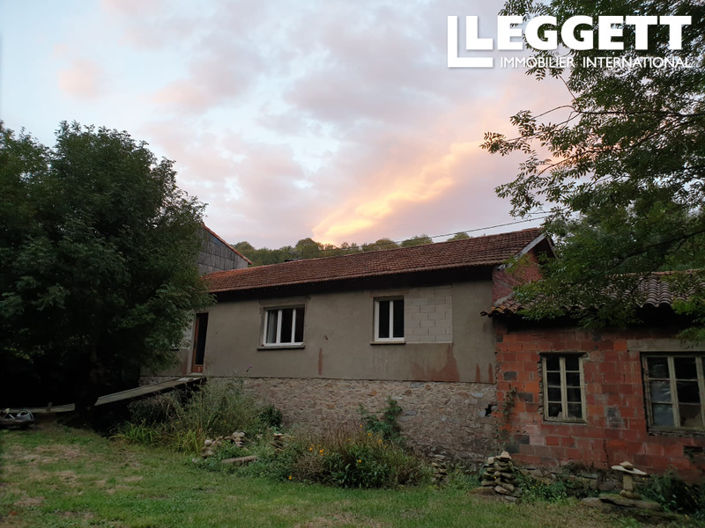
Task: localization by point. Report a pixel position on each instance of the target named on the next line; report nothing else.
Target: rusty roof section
(216, 235)
(473, 252)
(652, 290)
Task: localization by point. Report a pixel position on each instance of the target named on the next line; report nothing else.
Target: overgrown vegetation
(60, 477)
(343, 457)
(183, 420)
(675, 495)
(387, 425)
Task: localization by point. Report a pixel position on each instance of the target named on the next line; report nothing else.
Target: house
(320, 337)
(217, 255)
(596, 398)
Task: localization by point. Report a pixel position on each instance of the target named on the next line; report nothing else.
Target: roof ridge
(377, 251)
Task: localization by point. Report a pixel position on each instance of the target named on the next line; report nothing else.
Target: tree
(620, 167)
(99, 250)
(382, 243)
(418, 240)
(462, 235)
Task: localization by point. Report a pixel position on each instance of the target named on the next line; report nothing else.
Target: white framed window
(675, 390)
(563, 387)
(389, 320)
(283, 326)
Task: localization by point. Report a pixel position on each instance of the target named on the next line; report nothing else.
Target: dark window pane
(398, 314)
(272, 326)
(690, 415)
(554, 394)
(554, 410)
(554, 379)
(663, 415)
(383, 318)
(287, 320)
(552, 363)
(660, 391)
(688, 392)
(575, 410)
(572, 363)
(658, 367)
(685, 368)
(574, 395)
(299, 333)
(201, 329)
(572, 379)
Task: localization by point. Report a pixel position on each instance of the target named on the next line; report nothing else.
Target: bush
(183, 420)
(353, 458)
(675, 495)
(386, 426)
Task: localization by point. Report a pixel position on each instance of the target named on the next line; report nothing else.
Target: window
(284, 326)
(389, 320)
(563, 393)
(675, 390)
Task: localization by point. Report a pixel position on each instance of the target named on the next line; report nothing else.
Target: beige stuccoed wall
(338, 337)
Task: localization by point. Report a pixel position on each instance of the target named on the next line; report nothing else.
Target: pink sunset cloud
(333, 120)
(82, 79)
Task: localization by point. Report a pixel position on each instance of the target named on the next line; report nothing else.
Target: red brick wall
(504, 279)
(615, 427)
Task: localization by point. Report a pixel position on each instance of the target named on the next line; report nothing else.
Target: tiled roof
(652, 290)
(472, 252)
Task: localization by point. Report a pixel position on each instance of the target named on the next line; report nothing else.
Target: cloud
(83, 79)
(333, 120)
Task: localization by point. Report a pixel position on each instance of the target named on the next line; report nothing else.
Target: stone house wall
(449, 418)
(615, 426)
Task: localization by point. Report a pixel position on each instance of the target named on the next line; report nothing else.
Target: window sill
(675, 431)
(390, 342)
(576, 421)
(281, 347)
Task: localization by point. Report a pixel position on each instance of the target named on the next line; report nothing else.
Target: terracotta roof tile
(652, 290)
(473, 252)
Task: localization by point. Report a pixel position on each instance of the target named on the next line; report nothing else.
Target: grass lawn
(54, 476)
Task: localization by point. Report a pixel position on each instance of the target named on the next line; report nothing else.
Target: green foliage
(99, 251)
(308, 248)
(461, 479)
(619, 167)
(418, 240)
(270, 416)
(557, 489)
(183, 421)
(387, 425)
(352, 458)
(675, 495)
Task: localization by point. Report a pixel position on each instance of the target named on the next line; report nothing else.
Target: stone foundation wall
(438, 417)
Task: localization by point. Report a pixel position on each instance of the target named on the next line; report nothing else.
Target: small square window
(283, 326)
(563, 391)
(389, 320)
(674, 386)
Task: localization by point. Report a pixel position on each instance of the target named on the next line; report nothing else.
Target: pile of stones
(499, 476)
(210, 445)
(440, 468)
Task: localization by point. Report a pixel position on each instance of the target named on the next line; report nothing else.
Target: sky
(328, 119)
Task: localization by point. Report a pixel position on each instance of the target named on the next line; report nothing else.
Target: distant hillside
(308, 248)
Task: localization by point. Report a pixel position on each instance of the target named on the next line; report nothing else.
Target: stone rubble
(210, 445)
(499, 478)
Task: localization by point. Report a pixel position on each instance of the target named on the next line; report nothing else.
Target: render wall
(447, 339)
(615, 427)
